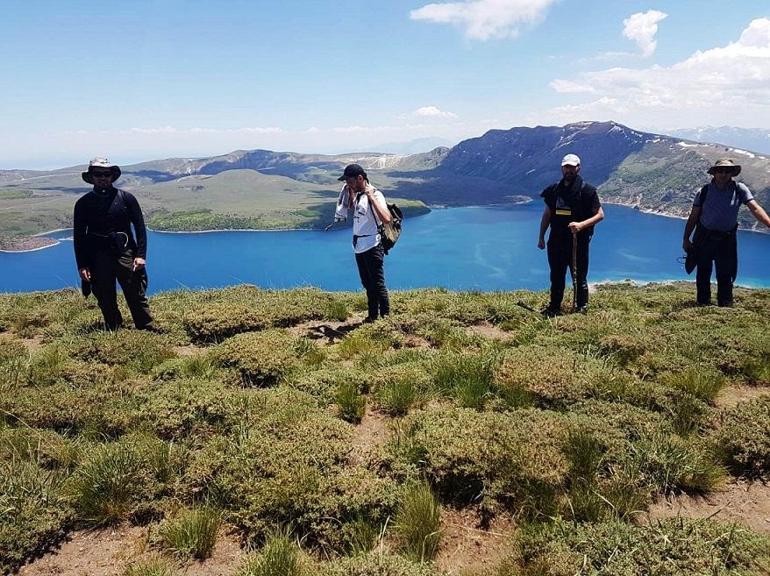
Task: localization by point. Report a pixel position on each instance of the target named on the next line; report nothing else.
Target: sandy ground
(746, 503)
(109, 551)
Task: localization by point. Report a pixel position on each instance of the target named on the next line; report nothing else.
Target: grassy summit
(278, 417)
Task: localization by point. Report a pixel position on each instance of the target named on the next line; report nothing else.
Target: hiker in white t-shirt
(369, 211)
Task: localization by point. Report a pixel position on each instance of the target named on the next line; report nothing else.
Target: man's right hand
(541, 244)
(85, 274)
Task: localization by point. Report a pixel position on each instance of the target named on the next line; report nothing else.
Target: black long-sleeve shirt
(99, 214)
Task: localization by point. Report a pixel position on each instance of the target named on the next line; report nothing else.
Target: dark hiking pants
(370, 269)
(721, 250)
(559, 260)
(106, 268)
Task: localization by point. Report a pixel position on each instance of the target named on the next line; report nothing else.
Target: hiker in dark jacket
(714, 218)
(106, 250)
(572, 208)
(369, 211)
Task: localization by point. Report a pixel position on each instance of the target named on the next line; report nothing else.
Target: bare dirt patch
(488, 330)
(373, 431)
(734, 395)
(107, 552)
(466, 545)
(33, 344)
(747, 503)
(189, 350)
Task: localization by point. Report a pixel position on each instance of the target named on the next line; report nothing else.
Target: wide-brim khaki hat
(101, 163)
(725, 163)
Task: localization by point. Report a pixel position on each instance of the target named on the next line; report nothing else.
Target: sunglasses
(96, 174)
(722, 170)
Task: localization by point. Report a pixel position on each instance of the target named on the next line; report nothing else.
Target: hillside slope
(465, 431)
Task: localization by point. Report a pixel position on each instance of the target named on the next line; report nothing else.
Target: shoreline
(432, 207)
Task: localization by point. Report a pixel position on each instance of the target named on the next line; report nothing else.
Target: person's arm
(692, 220)
(79, 231)
(576, 227)
(379, 206)
(545, 221)
(137, 219)
(759, 212)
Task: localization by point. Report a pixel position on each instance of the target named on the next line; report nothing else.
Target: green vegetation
(348, 456)
(191, 532)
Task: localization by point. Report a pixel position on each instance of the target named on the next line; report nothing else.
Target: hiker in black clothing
(572, 208)
(105, 248)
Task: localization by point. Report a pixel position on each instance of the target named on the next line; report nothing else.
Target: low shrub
(742, 438)
(196, 366)
(259, 358)
(191, 532)
(135, 349)
(290, 466)
(217, 321)
(514, 459)
(32, 514)
(675, 546)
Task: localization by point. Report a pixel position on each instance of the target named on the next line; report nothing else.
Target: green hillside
(277, 420)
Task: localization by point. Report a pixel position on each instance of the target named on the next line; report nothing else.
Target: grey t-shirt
(720, 211)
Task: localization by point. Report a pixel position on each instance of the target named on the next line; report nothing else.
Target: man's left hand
(575, 227)
(139, 263)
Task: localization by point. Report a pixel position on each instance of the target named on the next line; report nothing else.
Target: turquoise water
(475, 248)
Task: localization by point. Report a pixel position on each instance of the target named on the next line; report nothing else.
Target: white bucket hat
(101, 163)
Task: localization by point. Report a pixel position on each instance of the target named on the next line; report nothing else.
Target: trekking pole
(574, 272)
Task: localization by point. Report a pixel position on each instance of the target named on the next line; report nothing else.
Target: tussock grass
(418, 522)
(191, 532)
(469, 378)
(702, 383)
(350, 402)
(280, 556)
(154, 567)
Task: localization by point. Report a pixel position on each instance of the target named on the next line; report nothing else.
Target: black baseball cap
(352, 171)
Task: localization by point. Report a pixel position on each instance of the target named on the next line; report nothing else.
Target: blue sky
(149, 79)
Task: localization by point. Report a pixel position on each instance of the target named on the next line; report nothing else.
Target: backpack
(391, 232)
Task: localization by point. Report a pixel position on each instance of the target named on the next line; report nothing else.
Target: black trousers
(722, 250)
(559, 260)
(106, 268)
(370, 269)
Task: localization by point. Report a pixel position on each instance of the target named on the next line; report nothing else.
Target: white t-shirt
(364, 220)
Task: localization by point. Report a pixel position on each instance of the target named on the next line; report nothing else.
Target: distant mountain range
(755, 139)
(262, 188)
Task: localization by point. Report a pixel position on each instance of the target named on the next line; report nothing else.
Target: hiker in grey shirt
(714, 218)
(369, 211)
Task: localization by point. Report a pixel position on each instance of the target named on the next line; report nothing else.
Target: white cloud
(642, 28)
(723, 85)
(485, 19)
(570, 87)
(433, 112)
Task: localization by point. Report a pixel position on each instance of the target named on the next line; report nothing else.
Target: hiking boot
(369, 320)
(582, 309)
(550, 312)
(154, 328)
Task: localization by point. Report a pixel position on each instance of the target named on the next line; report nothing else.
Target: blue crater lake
(473, 248)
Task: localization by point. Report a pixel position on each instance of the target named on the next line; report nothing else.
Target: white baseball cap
(570, 160)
